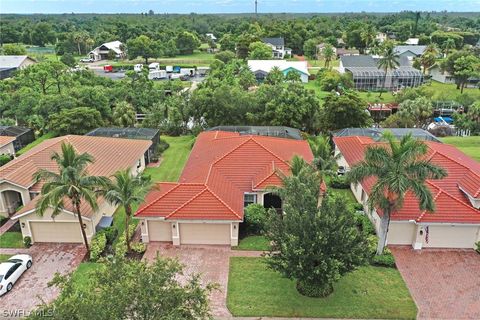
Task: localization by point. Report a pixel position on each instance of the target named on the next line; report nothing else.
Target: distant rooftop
(275, 41)
(270, 131)
(376, 133)
(417, 50)
(128, 133)
(9, 62)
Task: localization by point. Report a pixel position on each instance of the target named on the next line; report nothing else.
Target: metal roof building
(269, 131)
(376, 133)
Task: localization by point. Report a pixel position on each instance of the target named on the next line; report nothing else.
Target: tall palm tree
(72, 183)
(124, 114)
(448, 45)
(324, 160)
(427, 60)
(328, 54)
(399, 167)
(388, 61)
(127, 191)
(368, 35)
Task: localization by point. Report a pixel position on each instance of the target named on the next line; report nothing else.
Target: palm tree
(72, 183)
(127, 191)
(388, 61)
(399, 167)
(427, 60)
(368, 35)
(324, 160)
(124, 114)
(448, 45)
(328, 54)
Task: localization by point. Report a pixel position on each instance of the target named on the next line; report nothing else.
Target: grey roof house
(9, 64)
(368, 76)
(279, 51)
(410, 51)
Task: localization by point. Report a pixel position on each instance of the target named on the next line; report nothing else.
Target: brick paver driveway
(32, 287)
(445, 284)
(212, 262)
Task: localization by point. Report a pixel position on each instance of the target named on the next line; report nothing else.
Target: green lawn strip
(370, 292)
(35, 143)
(11, 239)
(449, 91)
(4, 257)
(82, 274)
(173, 159)
(253, 243)
(468, 145)
(119, 221)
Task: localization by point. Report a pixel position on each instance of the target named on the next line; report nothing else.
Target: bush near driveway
(254, 290)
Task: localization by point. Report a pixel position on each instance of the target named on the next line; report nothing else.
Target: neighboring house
(211, 37)
(456, 220)
(18, 188)
(261, 68)
(9, 64)
(226, 171)
(442, 76)
(340, 52)
(152, 135)
(368, 76)
(6, 146)
(320, 47)
(410, 51)
(23, 136)
(381, 37)
(376, 133)
(279, 51)
(101, 52)
(412, 41)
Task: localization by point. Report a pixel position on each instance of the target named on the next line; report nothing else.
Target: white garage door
(450, 237)
(204, 233)
(56, 232)
(159, 231)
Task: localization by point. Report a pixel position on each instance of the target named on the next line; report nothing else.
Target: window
(249, 198)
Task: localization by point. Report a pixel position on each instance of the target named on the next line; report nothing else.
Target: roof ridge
(271, 152)
(434, 198)
(457, 162)
(223, 202)
(159, 197)
(229, 152)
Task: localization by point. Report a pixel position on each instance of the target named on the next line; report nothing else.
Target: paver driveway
(445, 284)
(32, 287)
(212, 262)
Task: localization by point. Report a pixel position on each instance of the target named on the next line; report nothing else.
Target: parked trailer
(157, 74)
(108, 68)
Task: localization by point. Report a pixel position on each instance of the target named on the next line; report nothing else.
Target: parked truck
(157, 74)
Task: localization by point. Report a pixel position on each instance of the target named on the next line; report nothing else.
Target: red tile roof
(4, 140)
(221, 168)
(452, 205)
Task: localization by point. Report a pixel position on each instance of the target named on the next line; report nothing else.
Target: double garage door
(190, 233)
(451, 237)
(56, 232)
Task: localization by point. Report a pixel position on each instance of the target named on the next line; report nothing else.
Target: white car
(12, 269)
(86, 60)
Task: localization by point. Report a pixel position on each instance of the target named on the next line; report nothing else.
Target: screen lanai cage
(372, 79)
(271, 131)
(132, 133)
(23, 136)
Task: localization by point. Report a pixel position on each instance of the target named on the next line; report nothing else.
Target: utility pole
(256, 3)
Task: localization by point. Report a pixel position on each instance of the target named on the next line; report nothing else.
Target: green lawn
(35, 143)
(446, 91)
(11, 239)
(370, 292)
(81, 275)
(468, 145)
(253, 243)
(4, 257)
(173, 159)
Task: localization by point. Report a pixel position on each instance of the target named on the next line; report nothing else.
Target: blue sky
(232, 6)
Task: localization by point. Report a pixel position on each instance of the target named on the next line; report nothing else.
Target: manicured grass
(370, 292)
(35, 143)
(119, 221)
(4, 257)
(468, 145)
(253, 243)
(447, 91)
(173, 159)
(82, 274)
(11, 239)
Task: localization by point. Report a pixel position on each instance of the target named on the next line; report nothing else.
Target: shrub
(358, 206)
(255, 218)
(138, 247)
(121, 246)
(162, 146)
(339, 182)
(4, 159)
(385, 260)
(478, 246)
(27, 242)
(97, 246)
(110, 233)
(364, 224)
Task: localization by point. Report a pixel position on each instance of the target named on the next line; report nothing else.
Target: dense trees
(186, 42)
(259, 51)
(344, 111)
(144, 47)
(79, 120)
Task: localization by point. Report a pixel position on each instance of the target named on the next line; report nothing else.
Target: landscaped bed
(254, 290)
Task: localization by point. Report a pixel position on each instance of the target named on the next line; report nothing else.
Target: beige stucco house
(455, 223)
(19, 189)
(226, 171)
